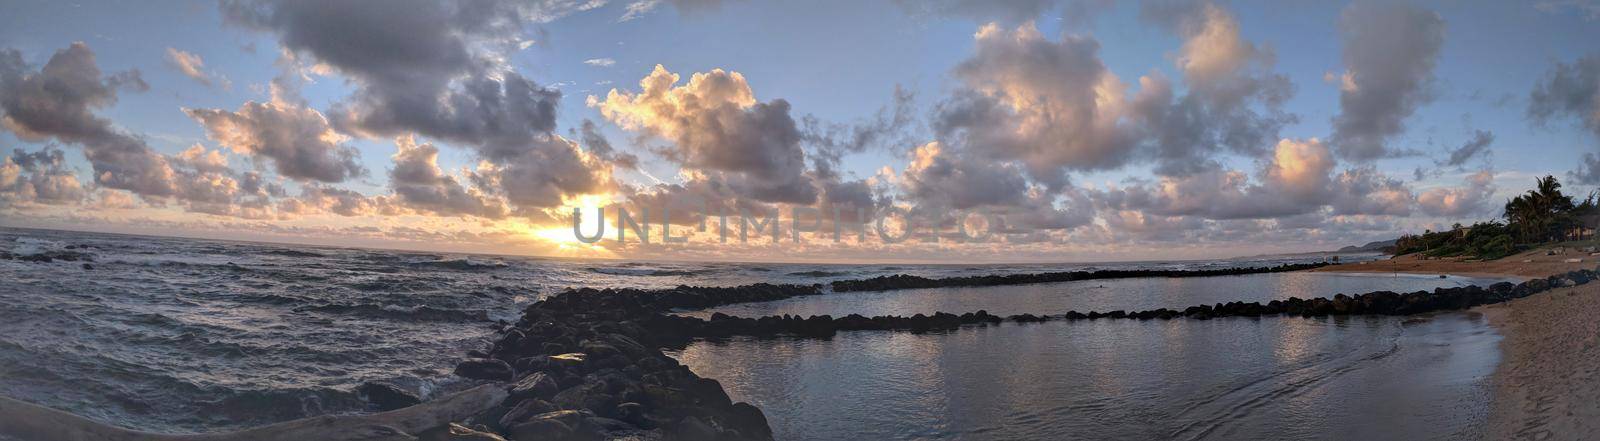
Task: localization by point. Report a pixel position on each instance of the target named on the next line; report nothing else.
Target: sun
(562, 234)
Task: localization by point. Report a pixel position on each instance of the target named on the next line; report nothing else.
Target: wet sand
(1547, 386)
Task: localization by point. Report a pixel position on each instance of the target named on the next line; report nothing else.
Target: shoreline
(1547, 383)
(582, 362)
(1547, 386)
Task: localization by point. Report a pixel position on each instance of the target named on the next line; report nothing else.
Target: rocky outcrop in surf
(48, 256)
(584, 364)
(903, 281)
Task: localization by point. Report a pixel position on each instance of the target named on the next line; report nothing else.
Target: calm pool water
(1351, 378)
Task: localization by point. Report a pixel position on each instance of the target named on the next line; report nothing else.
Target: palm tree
(1541, 214)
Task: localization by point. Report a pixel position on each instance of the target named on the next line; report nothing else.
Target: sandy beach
(1547, 386)
(1535, 263)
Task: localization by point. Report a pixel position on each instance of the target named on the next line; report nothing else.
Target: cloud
(1294, 180)
(1009, 12)
(716, 124)
(192, 66)
(1052, 105)
(324, 199)
(1390, 50)
(1366, 191)
(943, 183)
(1297, 180)
(58, 101)
(1475, 147)
(600, 62)
(596, 144)
(1569, 90)
(885, 129)
(1467, 200)
(432, 68)
(959, 183)
(544, 177)
(38, 177)
(439, 70)
(198, 158)
(1587, 172)
(297, 141)
(419, 184)
(640, 8)
(1233, 101)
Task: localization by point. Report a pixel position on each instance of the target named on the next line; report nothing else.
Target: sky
(928, 131)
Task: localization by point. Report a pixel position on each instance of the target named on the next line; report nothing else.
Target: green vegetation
(1542, 215)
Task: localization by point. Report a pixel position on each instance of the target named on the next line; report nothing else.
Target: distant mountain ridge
(1370, 246)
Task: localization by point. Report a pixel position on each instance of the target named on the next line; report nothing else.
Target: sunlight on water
(1270, 378)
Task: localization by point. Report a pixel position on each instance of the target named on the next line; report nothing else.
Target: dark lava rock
(525, 410)
(902, 281)
(484, 369)
(385, 397)
(541, 430)
(535, 385)
(692, 428)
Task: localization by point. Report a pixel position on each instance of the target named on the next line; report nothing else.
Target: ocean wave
(818, 273)
(459, 265)
(388, 311)
(273, 405)
(293, 253)
(651, 272)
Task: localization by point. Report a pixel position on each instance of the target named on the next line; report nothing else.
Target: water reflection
(1100, 295)
(1235, 378)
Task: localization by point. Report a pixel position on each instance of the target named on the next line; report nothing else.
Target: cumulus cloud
(716, 124)
(1234, 99)
(1390, 50)
(324, 199)
(1295, 180)
(1366, 191)
(38, 177)
(935, 175)
(192, 66)
(942, 183)
(419, 184)
(296, 140)
(1466, 200)
(421, 66)
(58, 101)
(199, 158)
(438, 69)
(544, 177)
(600, 62)
(1052, 105)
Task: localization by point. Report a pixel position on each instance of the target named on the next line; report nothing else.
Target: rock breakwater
(903, 281)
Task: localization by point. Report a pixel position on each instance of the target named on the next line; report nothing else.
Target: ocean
(189, 335)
